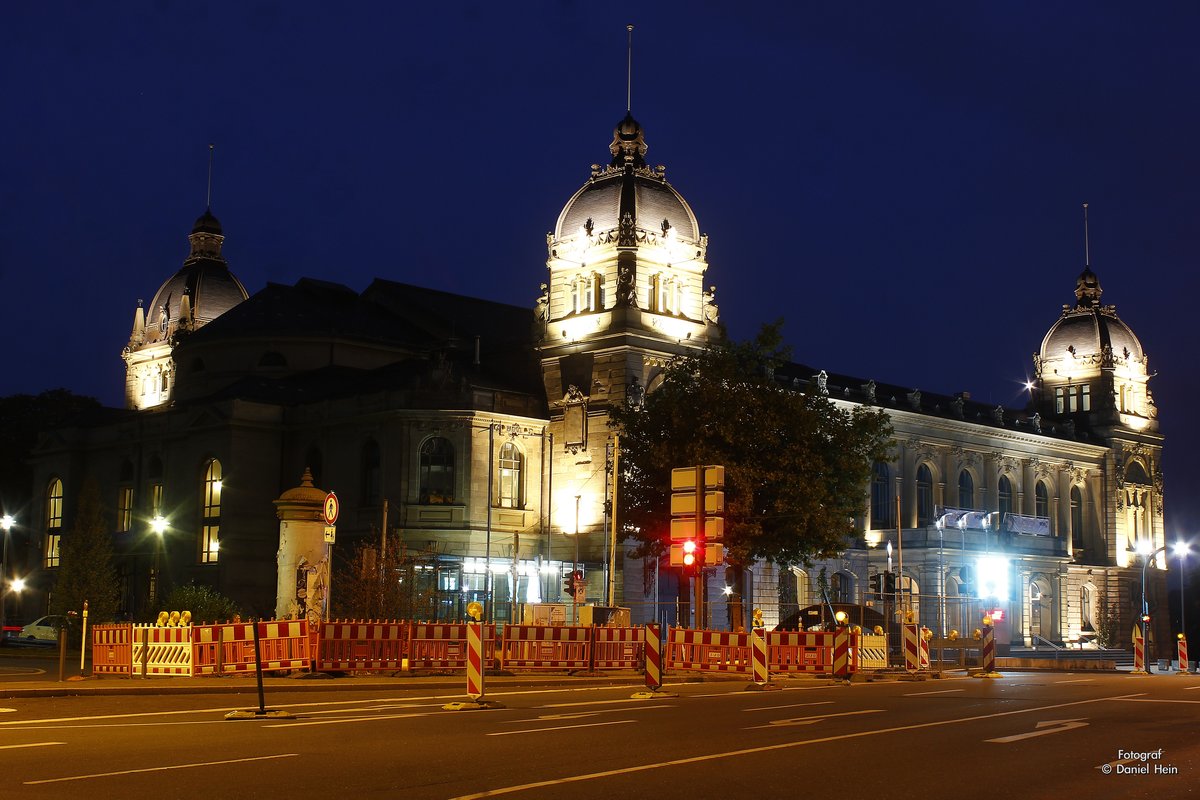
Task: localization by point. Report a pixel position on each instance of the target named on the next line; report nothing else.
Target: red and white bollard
(475, 661)
(841, 653)
(1184, 664)
(758, 648)
(1139, 651)
(912, 647)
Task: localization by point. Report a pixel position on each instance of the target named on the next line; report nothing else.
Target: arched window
(966, 491)
(155, 472)
(1041, 500)
(880, 496)
(509, 494)
(210, 514)
(54, 522)
(1004, 497)
(841, 588)
(1085, 608)
(369, 473)
(924, 495)
(1076, 518)
(437, 471)
(125, 497)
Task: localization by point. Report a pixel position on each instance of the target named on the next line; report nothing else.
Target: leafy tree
(205, 603)
(391, 587)
(87, 569)
(1107, 621)
(797, 466)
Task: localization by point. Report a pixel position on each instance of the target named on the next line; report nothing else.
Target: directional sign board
(332, 506)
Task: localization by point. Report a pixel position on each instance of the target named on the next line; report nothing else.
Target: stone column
(302, 549)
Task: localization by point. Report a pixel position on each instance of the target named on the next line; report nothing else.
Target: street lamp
(6, 523)
(1181, 550)
(1145, 547)
(158, 524)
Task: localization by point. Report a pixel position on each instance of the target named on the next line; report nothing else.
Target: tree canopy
(88, 571)
(797, 465)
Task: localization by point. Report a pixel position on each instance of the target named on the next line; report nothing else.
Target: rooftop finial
(1087, 258)
(629, 71)
(208, 199)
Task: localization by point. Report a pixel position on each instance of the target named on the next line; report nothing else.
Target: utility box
(549, 614)
(605, 616)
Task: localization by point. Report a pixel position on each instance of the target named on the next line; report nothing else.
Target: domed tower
(625, 290)
(198, 293)
(1092, 376)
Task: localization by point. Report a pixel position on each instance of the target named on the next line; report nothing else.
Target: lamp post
(1181, 550)
(1144, 547)
(6, 523)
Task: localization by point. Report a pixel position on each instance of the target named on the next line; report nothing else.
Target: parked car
(44, 629)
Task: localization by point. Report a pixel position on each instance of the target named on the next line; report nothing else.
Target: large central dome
(627, 186)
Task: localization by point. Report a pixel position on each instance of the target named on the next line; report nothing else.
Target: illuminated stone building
(477, 432)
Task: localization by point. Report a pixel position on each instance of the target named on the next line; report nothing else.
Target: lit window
(437, 471)
(1076, 518)
(156, 500)
(1059, 400)
(124, 508)
(509, 489)
(1085, 397)
(210, 521)
(54, 521)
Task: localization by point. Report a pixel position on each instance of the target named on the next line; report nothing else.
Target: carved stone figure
(711, 314)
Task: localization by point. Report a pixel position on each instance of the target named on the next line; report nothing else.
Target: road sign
(330, 534)
(332, 506)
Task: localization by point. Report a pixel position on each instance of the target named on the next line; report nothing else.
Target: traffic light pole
(701, 583)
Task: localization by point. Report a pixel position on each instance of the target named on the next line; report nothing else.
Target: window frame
(211, 490)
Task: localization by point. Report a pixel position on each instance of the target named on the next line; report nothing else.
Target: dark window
(1041, 500)
(437, 471)
(1076, 518)
(1004, 497)
(880, 496)
(966, 491)
(924, 495)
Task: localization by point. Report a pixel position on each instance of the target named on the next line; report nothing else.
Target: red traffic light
(689, 552)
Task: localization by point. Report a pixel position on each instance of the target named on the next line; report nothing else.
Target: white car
(44, 629)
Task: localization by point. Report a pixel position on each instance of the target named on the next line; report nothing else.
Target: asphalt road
(1023, 735)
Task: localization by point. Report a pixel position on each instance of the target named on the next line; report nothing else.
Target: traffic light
(876, 583)
(691, 553)
(1145, 618)
(697, 508)
(889, 583)
(569, 584)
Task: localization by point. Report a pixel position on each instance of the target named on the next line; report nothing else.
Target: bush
(205, 603)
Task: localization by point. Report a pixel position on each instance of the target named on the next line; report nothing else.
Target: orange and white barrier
(229, 649)
(112, 650)
(161, 651)
(926, 635)
(617, 648)
(841, 653)
(799, 651)
(758, 644)
(870, 651)
(1139, 651)
(653, 657)
(708, 651)
(344, 646)
(987, 652)
(1184, 664)
(543, 647)
(475, 665)
(912, 647)
(443, 645)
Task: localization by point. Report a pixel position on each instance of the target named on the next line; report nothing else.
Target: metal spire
(629, 72)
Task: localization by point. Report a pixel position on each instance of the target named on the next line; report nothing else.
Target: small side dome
(207, 223)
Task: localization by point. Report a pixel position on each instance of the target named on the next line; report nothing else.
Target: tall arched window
(924, 495)
(1076, 518)
(210, 514)
(966, 491)
(54, 522)
(509, 494)
(1041, 500)
(1004, 497)
(437, 471)
(370, 474)
(880, 496)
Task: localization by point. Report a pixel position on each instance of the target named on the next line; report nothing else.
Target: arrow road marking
(778, 723)
(1044, 728)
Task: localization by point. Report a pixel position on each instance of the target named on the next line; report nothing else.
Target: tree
(393, 587)
(205, 603)
(797, 467)
(1107, 620)
(88, 567)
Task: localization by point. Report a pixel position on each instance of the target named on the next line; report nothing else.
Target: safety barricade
(799, 651)
(112, 650)
(362, 646)
(708, 651)
(161, 651)
(870, 651)
(543, 647)
(443, 645)
(618, 648)
(229, 649)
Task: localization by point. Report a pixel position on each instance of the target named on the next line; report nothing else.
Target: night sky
(901, 182)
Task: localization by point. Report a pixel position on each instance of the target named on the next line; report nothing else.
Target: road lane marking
(783, 723)
(1078, 680)
(160, 769)
(310, 723)
(939, 691)
(563, 727)
(31, 744)
(1043, 728)
(7, 710)
(790, 705)
(626, 700)
(770, 748)
(1155, 700)
(1189, 688)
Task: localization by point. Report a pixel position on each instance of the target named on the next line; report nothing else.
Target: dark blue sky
(901, 182)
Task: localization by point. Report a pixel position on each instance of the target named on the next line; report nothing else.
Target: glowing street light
(1181, 550)
(6, 523)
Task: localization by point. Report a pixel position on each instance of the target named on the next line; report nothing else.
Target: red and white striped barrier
(1183, 656)
(443, 645)
(987, 653)
(617, 648)
(112, 650)
(799, 651)
(1139, 651)
(708, 651)
(162, 651)
(841, 653)
(475, 667)
(653, 657)
(758, 644)
(345, 646)
(912, 647)
(546, 647)
(925, 635)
